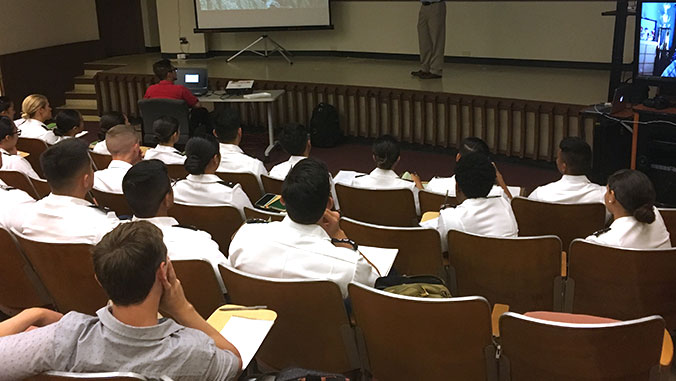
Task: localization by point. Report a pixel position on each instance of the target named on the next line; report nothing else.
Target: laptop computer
(194, 78)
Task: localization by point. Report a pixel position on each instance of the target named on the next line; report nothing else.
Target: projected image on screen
(657, 51)
(222, 5)
(234, 15)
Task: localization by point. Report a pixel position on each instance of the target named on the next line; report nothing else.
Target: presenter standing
(431, 38)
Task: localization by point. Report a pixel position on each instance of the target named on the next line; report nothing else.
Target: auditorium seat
(200, 285)
(390, 207)
(419, 248)
(114, 201)
(35, 147)
(409, 338)
(54, 375)
(19, 180)
(248, 181)
(567, 221)
(536, 349)
(432, 202)
(271, 184)
(621, 283)
(312, 329)
(67, 271)
(42, 187)
(101, 161)
(263, 214)
(153, 109)
(523, 273)
(669, 217)
(219, 221)
(20, 287)
(176, 171)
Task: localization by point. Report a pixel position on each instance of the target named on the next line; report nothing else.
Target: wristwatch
(346, 240)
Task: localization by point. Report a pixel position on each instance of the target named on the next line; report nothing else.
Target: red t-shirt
(166, 89)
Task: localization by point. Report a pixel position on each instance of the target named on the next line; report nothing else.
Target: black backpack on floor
(325, 126)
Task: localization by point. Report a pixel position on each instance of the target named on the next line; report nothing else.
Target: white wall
(34, 24)
(151, 30)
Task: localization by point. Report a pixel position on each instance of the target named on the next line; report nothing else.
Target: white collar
(204, 178)
(224, 147)
(293, 160)
(309, 230)
(384, 173)
(119, 164)
(159, 221)
(575, 179)
(163, 148)
(2, 150)
(56, 199)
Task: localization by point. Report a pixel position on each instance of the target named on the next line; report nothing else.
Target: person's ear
(457, 157)
(161, 273)
(168, 200)
(239, 132)
(329, 203)
(97, 280)
(281, 199)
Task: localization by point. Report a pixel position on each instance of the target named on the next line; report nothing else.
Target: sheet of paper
(81, 134)
(380, 257)
(345, 177)
(246, 335)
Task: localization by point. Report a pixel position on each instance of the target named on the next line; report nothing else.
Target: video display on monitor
(655, 34)
(192, 78)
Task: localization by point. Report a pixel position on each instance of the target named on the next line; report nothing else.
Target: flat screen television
(655, 43)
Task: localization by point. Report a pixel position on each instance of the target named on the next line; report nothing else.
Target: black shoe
(428, 76)
(418, 73)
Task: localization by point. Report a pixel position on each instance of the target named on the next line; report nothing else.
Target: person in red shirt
(166, 73)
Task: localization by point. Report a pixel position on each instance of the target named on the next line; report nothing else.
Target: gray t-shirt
(83, 343)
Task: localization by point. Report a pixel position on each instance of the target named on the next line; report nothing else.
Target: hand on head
(173, 300)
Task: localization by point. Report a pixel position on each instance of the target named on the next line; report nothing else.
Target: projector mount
(266, 52)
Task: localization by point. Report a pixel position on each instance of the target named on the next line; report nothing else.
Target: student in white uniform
(64, 215)
(7, 107)
(11, 198)
(227, 130)
(309, 242)
(147, 188)
(35, 110)
(69, 123)
(167, 134)
(477, 213)
(202, 186)
(637, 224)
(11, 161)
(124, 147)
(108, 121)
(295, 140)
(446, 185)
(386, 156)
(573, 160)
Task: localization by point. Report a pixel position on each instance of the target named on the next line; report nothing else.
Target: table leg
(271, 132)
(634, 141)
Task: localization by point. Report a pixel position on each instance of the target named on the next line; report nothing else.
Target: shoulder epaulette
(227, 183)
(179, 152)
(599, 232)
(6, 187)
(191, 227)
(256, 221)
(103, 209)
(362, 175)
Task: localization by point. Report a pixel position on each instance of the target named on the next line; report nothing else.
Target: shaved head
(121, 139)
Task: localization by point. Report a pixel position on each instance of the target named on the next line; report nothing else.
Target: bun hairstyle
(385, 151)
(164, 128)
(635, 192)
(108, 121)
(199, 151)
(31, 104)
(66, 120)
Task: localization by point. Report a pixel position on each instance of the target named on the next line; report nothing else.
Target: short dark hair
(145, 185)
(7, 127)
(126, 261)
(475, 175)
(108, 121)
(635, 192)
(64, 161)
(164, 128)
(306, 191)
(199, 151)
(226, 123)
(294, 138)
(5, 103)
(163, 67)
(385, 151)
(66, 120)
(474, 144)
(577, 155)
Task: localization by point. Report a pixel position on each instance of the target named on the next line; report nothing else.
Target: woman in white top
(108, 121)
(68, 124)
(11, 160)
(35, 111)
(166, 133)
(637, 224)
(202, 186)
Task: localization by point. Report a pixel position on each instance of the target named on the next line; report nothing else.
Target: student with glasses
(11, 160)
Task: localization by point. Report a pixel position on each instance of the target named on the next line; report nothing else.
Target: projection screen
(239, 15)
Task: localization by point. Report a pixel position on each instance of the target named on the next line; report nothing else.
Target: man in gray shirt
(131, 265)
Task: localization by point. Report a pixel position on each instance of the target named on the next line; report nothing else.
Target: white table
(221, 97)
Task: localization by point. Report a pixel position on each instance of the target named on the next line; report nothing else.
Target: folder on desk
(381, 258)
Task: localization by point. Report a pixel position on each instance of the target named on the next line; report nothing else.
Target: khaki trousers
(432, 36)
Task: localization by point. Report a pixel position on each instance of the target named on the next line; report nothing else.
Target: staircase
(83, 95)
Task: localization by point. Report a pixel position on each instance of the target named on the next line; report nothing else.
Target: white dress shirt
(489, 216)
(441, 185)
(51, 138)
(62, 219)
(110, 179)
(570, 190)
(233, 159)
(280, 170)
(210, 190)
(10, 199)
(17, 163)
(629, 233)
(185, 243)
(289, 250)
(386, 179)
(101, 148)
(166, 154)
(31, 128)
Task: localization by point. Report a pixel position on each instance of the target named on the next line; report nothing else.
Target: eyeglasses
(17, 132)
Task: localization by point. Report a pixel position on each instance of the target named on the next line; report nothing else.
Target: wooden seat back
(114, 201)
(271, 184)
(19, 180)
(248, 181)
(101, 161)
(389, 207)
(263, 214)
(35, 147)
(42, 187)
(220, 221)
(200, 285)
(432, 202)
(176, 171)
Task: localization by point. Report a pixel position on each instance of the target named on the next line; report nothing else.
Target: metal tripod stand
(266, 52)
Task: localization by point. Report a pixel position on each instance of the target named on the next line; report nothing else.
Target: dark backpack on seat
(325, 126)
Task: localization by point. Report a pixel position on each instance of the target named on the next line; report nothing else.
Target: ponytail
(199, 152)
(635, 192)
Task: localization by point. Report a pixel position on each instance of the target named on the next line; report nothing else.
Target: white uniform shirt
(17, 163)
(31, 128)
(489, 216)
(62, 219)
(110, 179)
(570, 190)
(10, 199)
(289, 250)
(441, 185)
(184, 243)
(210, 190)
(386, 179)
(166, 154)
(233, 159)
(50, 137)
(280, 170)
(101, 148)
(627, 232)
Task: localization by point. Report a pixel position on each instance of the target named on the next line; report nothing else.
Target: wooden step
(80, 95)
(100, 66)
(83, 80)
(91, 118)
(90, 73)
(84, 88)
(81, 103)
